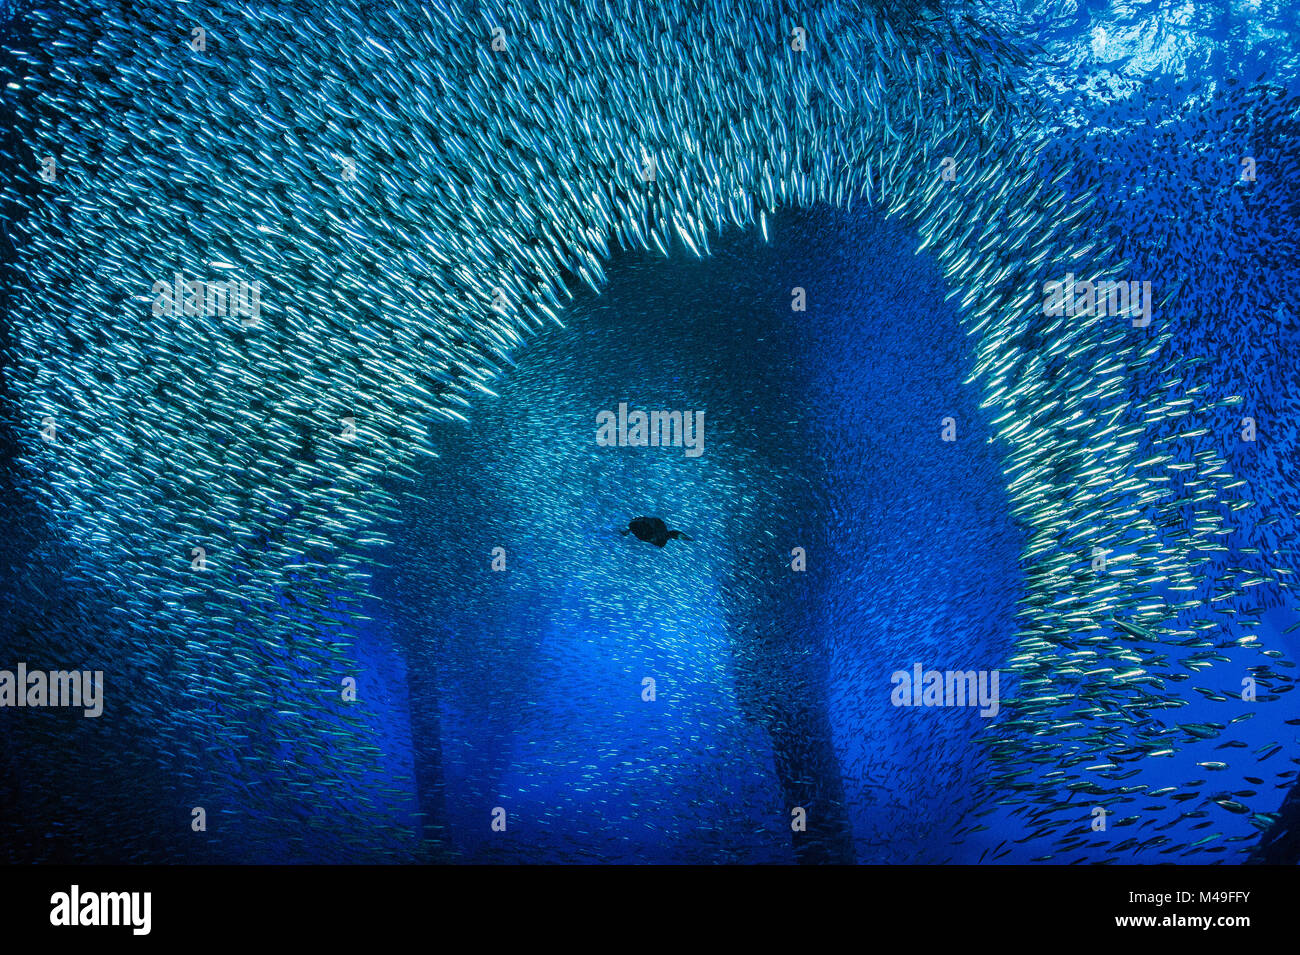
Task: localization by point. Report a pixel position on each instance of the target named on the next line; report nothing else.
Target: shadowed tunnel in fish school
(822, 440)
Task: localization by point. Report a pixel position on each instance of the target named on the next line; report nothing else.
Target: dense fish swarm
(820, 434)
(419, 189)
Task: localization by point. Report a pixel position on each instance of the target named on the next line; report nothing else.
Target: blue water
(523, 692)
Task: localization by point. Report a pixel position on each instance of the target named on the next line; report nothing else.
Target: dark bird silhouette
(654, 530)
